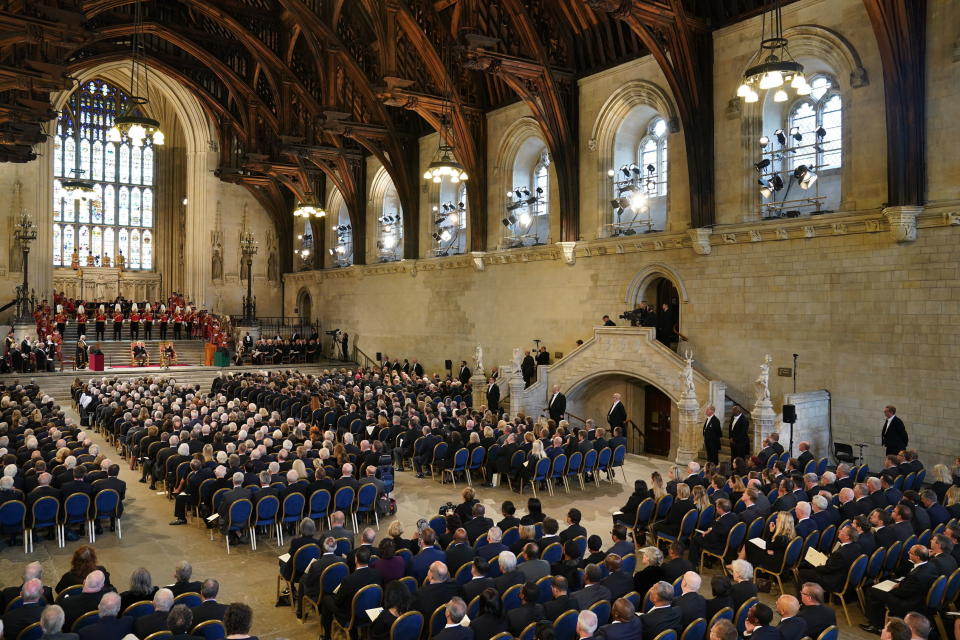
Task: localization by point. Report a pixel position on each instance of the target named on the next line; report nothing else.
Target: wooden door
(656, 422)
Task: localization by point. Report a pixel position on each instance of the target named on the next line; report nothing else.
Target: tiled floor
(250, 577)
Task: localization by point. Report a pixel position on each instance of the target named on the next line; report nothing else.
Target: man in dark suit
(528, 368)
(573, 529)
(477, 525)
(618, 582)
(340, 603)
(557, 404)
(109, 626)
(617, 414)
(181, 580)
(367, 537)
(624, 625)
(509, 574)
(833, 573)
(805, 456)
(791, 627)
(817, 615)
(310, 581)
(464, 375)
(663, 615)
(455, 610)
(16, 620)
(459, 552)
(739, 433)
(715, 538)
(712, 432)
(427, 555)
(238, 492)
(908, 595)
(493, 395)
(88, 599)
(494, 546)
(479, 580)
(758, 622)
(692, 605)
(156, 621)
(894, 434)
(528, 611)
(438, 591)
(561, 600)
(593, 591)
(209, 608)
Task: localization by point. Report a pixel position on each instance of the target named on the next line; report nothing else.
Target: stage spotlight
(764, 141)
(804, 176)
(781, 138)
(763, 164)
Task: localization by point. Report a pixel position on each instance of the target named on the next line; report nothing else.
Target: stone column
(517, 391)
(763, 417)
(478, 385)
(690, 435)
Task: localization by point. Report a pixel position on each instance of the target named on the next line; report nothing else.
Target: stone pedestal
(478, 386)
(24, 329)
(517, 389)
(691, 437)
(764, 418)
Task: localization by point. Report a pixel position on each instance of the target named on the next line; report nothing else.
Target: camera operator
(641, 316)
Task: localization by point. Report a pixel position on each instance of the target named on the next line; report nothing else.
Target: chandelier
(131, 124)
(77, 189)
(308, 208)
(445, 166)
(772, 67)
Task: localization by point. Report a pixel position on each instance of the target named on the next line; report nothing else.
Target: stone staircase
(117, 352)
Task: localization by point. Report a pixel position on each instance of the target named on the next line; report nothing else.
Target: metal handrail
(640, 435)
(368, 362)
(575, 417)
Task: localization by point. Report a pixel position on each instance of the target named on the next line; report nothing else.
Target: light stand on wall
(448, 219)
(523, 207)
(633, 191)
(775, 163)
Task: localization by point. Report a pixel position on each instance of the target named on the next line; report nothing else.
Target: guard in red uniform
(148, 325)
(163, 320)
(61, 319)
(134, 326)
(81, 322)
(101, 325)
(177, 325)
(117, 324)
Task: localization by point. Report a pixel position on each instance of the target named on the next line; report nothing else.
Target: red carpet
(149, 366)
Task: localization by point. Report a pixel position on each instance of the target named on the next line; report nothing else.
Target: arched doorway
(304, 307)
(661, 288)
(650, 412)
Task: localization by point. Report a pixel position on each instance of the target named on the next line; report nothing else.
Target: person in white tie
(617, 414)
(557, 405)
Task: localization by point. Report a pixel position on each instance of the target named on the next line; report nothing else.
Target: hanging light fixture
(78, 189)
(134, 126)
(308, 208)
(772, 66)
(445, 167)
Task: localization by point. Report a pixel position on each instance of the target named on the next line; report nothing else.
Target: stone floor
(250, 577)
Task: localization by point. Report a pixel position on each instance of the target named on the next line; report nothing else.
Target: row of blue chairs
(48, 513)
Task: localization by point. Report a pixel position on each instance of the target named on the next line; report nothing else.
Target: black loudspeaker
(448, 364)
(789, 413)
(379, 356)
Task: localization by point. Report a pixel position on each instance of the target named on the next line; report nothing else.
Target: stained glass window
(117, 171)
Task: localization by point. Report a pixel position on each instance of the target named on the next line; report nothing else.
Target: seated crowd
(48, 461)
(85, 603)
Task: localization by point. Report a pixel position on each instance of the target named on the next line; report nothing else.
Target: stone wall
(874, 321)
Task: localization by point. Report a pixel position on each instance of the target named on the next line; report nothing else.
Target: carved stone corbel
(477, 257)
(903, 222)
(568, 252)
(700, 241)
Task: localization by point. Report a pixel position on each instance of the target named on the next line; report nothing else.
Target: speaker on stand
(790, 417)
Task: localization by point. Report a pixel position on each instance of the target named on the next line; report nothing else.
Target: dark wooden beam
(900, 27)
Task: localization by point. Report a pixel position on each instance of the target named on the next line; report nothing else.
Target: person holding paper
(767, 552)
(339, 604)
(396, 602)
(908, 595)
(833, 572)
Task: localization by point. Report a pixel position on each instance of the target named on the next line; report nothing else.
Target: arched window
(822, 108)
(450, 219)
(390, 226)
(342, 250)
(639, 173)
(122, 176)
(526, 219)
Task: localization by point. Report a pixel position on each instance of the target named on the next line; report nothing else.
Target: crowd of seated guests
(45, 455)
(84, 602)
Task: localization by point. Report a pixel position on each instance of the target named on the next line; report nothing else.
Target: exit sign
(784, 372)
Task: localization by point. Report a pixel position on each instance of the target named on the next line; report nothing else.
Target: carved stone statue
(762, 383)
(478, 359)
(120, 260)
(686, 377)
(517, 359)
(106, 261)
(216, 267)
(74, 260)
(90, 260)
